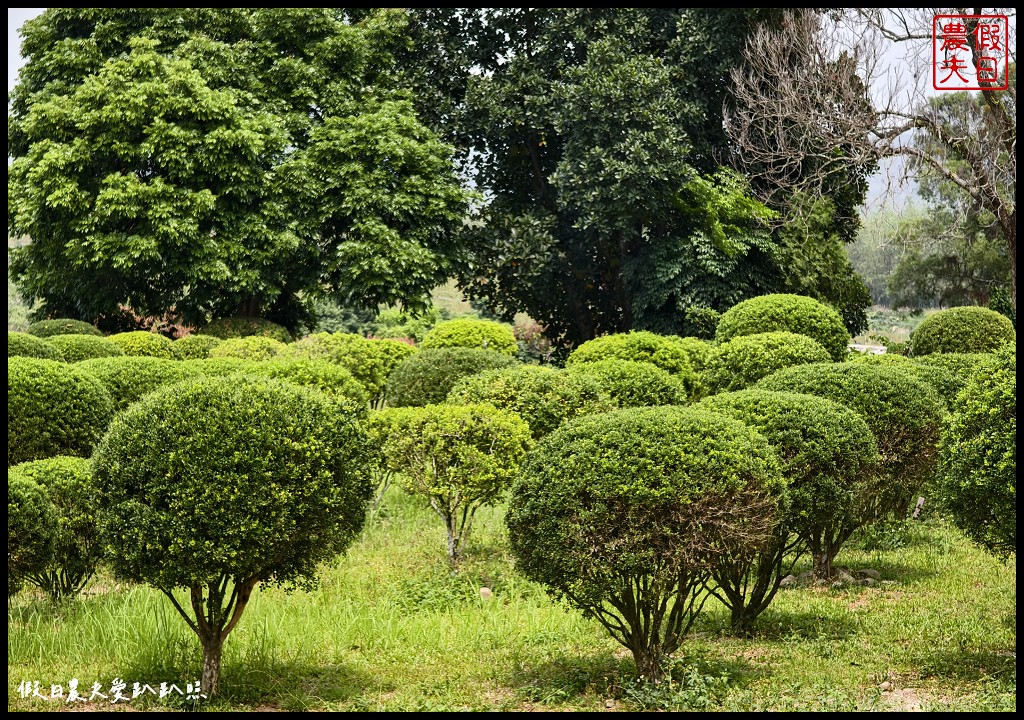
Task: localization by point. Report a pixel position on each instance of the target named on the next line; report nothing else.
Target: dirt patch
(905, 700)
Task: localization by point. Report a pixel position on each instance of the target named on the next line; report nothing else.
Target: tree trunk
(822, 567)
(212, 648)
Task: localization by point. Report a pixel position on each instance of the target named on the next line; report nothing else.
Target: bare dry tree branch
(815, 100)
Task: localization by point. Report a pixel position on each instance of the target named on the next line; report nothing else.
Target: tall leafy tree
(206, 162)
(596, 136)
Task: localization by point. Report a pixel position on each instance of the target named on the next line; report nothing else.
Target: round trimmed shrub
(662, 351)
(829, 457)
(959, 368)
(76, 348)
(321, 374)
(632, 384)
(68, 484)
(695, 348)
(624, 514)
(236, 327)
(904, 414)
(977, 479)
(53, 409)
(459, 458)
(392, 352)
(967, 329)
(943, 381)
(31, 526)
(364, 358)
(544, 397)
(472, 333)
(21, 344)
(794, 313)
(141, 343)
(427, 377)
(211, 367)
(129, 378)
(251, 348)
(234, 479)
(742, 361)
(195, 347)
(63, 326)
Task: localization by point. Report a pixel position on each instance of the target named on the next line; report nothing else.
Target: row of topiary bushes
(614, 503)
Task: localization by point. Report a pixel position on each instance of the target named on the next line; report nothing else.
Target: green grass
(391, 629)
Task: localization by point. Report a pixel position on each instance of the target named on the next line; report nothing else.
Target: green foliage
(236, 327)
(31, 527)
(195, 347)
(962, 330)
(701, 322)
(62, 326)
(250, 347)
(323, 375)
(544, 397)
(395, 323)
(904, 414)
(668, 352)
(794, 313)
(978, 456)
(1002, 303)
(129, 378)
(168, 161)
(426, 377)
(745, 359)
(624, 514)
(77, 550)
(829, 458)
(215, 366)
(366, 359)
(21, 344)
(217, 484)
(633, 384)
(53, 409)
(942, 380)
(75, 348)
(145, 344)
(472, 333)
(958, 367)
(458, 457)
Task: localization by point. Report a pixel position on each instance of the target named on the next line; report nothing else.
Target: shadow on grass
(971, 666)
(565, 678)
(284, 685)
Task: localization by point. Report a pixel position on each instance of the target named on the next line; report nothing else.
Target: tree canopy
(201, 163)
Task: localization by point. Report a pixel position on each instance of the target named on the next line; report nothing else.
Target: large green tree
(597, 138)
(201, 163)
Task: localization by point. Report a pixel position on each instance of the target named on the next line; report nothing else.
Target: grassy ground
(391, 629)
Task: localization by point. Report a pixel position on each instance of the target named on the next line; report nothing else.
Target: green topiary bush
(62, 326)
(544, 397)
(21, 344)
(794, 313)
(129, 378)
(458, 457)
(31, 526)
(977, 479)
(236, 327)
(75, 348)
(217, 484)
(624, 514)
(323, 375)
(904, 414)
(472, 333)
(742, 361)
(140, 343)
(365, 359)
(958, 368)
(76, 545)
(391, 353)
(427, 377)
(53, 409)
(665, 352)
(251, 348)
(215, 366)
(195, 347)
(829, 457)
(961, 330)
(943, 381)
(633, 384)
